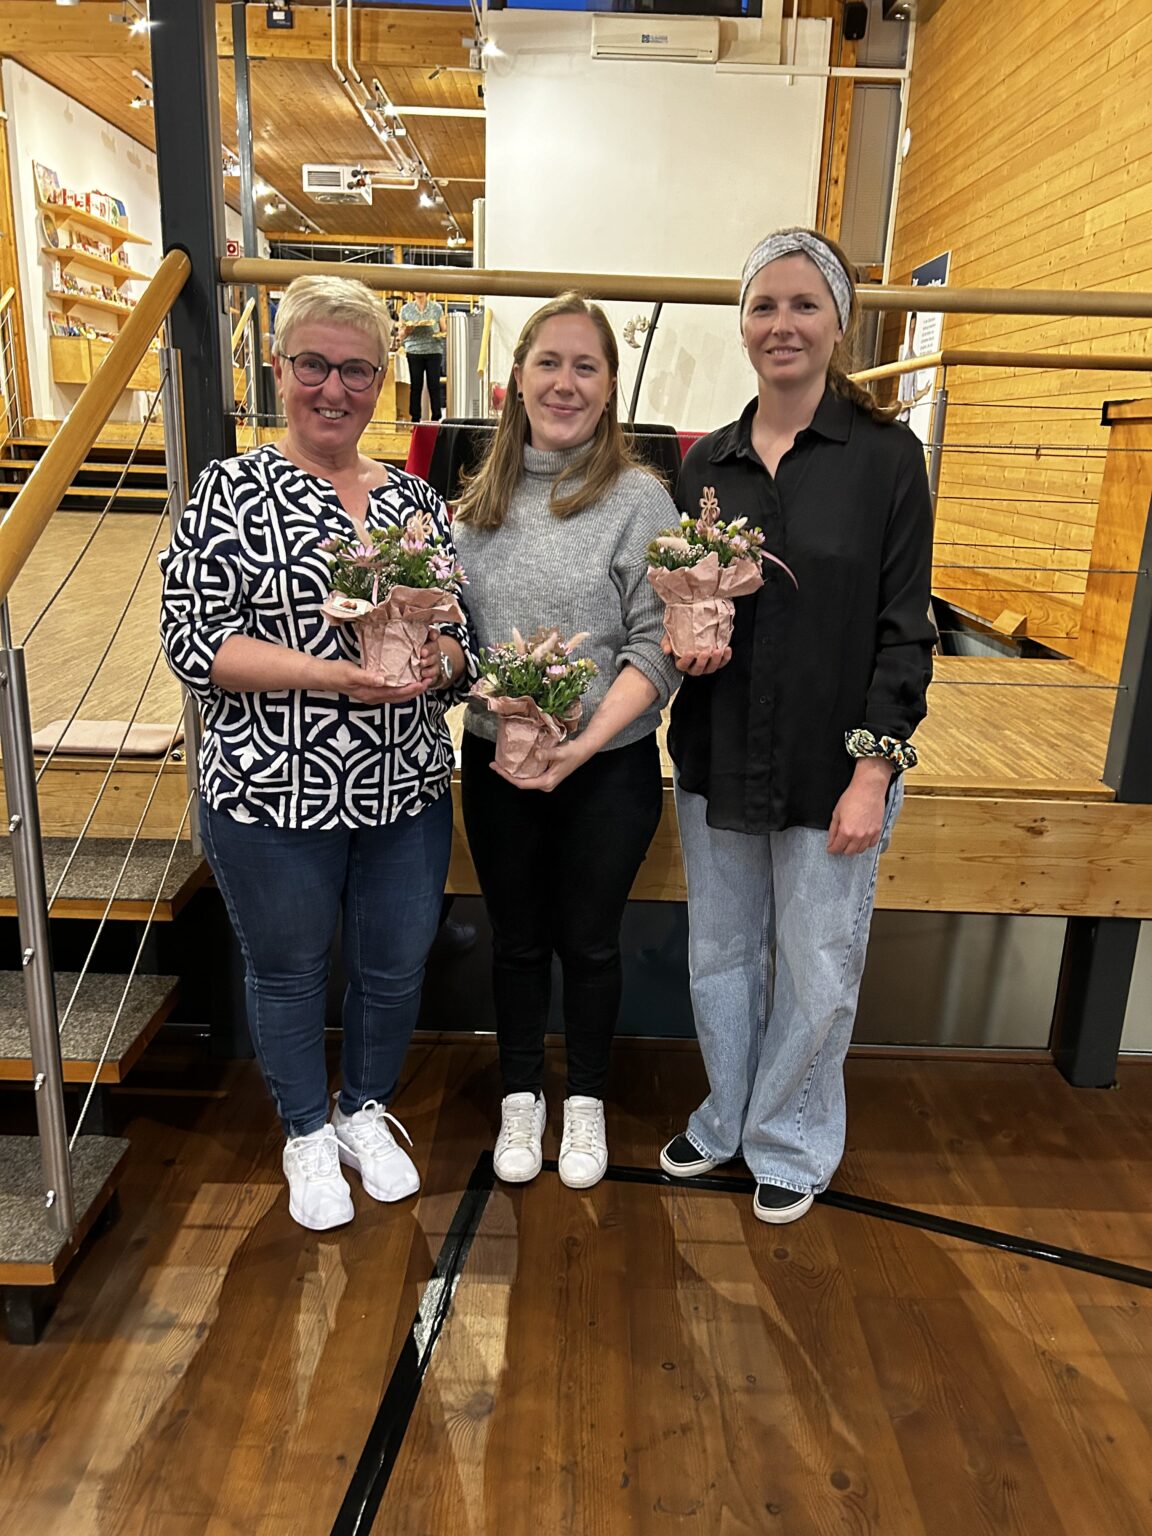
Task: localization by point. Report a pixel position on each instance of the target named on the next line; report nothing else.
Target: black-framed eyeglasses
(356, 373)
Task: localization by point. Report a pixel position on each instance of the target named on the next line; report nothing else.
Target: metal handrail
(34, 507)
(249, 270)
(1108, 362)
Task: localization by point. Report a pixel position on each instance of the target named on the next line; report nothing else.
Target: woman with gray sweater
(553, 532)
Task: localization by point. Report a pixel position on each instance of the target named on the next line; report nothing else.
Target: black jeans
(421, 366)
(555, 871)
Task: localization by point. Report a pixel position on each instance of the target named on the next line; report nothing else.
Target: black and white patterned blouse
(245, 560)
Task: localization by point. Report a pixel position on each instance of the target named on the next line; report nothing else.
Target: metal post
(262, 407)
(1100, 952)
(657, 309)
(175, 461)
(32, 916)
(936, 443)
(190, 174)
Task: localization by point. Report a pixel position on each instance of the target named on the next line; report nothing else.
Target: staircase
(140, 486)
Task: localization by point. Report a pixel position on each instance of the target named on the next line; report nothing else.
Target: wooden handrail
(245, 316)
(33, 508)
(682, 290)
(6, 298)
(1108, 362)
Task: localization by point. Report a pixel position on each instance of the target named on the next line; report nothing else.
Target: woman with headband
(791, 743)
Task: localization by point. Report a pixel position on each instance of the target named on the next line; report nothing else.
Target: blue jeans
(284, 889)
(778, 929)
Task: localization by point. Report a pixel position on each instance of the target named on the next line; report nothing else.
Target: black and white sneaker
(779, 1206)
(681, 1159)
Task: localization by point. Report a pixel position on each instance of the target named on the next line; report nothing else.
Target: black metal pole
(186, 93)
(1100, 952)
(264, 404)
(652, 324)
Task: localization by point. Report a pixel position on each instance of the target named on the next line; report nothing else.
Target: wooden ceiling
(300, 112)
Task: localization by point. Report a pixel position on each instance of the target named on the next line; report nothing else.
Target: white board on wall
(645, 167)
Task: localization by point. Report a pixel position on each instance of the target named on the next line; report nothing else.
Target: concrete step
(149, 1001)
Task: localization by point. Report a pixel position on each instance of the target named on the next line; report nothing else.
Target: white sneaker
(517, 1157)
(583, 1147)
(318, 1196)
(365, 1143)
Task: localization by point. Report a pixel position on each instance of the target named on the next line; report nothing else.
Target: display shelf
(63, 297)
(68, 254)
(75, 359)
(116, 233)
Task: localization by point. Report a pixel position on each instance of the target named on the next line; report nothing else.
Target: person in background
(422, 334)
(553, 531)
(790, 745)
(322, 790)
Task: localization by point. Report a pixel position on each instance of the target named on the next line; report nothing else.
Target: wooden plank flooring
(632, 1359)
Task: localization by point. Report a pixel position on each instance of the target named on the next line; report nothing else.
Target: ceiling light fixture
(426, 198)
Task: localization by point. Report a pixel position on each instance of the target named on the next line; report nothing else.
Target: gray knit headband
(799, 242)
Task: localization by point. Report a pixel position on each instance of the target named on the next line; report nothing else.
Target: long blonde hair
(843, 360)
(487, 494)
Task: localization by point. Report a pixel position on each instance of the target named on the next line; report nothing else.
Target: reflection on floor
(628, 1359)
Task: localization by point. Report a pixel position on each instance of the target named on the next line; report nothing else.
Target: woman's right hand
(698, 663)
(367, 688)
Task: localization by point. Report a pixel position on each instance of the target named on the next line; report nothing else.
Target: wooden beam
(82, 31)
(379, 37)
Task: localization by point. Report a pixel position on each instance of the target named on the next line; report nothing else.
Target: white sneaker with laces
(318, 1196)
(365, 1143)
(518, 1156)
(583, 1147)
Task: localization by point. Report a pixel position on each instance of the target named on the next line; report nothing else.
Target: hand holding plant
(699, 568)
(534, 686)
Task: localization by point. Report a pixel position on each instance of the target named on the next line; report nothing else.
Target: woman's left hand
(858, 818)
(429, 665)
(563, 759)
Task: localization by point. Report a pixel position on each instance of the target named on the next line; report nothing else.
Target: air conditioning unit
(681, 39)
(337, 184)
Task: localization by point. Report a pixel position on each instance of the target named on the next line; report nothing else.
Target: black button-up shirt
(849, 512)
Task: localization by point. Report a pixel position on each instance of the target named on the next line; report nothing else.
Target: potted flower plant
(534, 688)
(698, 568)
(392, 588)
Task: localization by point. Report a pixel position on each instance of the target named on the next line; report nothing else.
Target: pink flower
(556, 671)
(362, 555)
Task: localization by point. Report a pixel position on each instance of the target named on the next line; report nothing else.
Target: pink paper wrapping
(392, 633)
(524, 733)
(698, 609)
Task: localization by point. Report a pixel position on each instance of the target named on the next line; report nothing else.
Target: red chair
(420, 448)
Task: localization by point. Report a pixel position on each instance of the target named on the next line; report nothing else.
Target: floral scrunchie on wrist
(862, 743)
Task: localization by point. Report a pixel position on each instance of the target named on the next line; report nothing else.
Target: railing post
(32, 916)
(936, 442)
(176, 465)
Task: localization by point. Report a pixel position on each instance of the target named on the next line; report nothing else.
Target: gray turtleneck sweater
(586, 572)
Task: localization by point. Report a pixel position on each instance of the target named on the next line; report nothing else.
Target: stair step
(95, 492)
(32, 1251)
(113, 452)
(95, 872)
(110, 469)
(149, 1002)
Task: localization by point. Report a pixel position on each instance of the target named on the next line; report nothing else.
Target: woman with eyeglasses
(322, 790)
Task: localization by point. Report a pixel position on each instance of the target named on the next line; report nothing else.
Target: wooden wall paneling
(1117, 545)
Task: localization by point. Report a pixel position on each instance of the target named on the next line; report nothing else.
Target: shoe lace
(318, 1158)
(582, 1130)
(372, 1128)
(517, 1128)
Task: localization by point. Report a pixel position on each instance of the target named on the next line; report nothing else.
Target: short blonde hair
(332, 301)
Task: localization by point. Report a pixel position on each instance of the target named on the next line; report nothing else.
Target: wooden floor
(632, 1359)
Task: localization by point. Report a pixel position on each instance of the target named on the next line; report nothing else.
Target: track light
(426, 198)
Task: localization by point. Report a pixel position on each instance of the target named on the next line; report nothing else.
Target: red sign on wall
(231, 247)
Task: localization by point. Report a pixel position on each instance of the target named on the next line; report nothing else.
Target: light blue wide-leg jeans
(778, 929)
